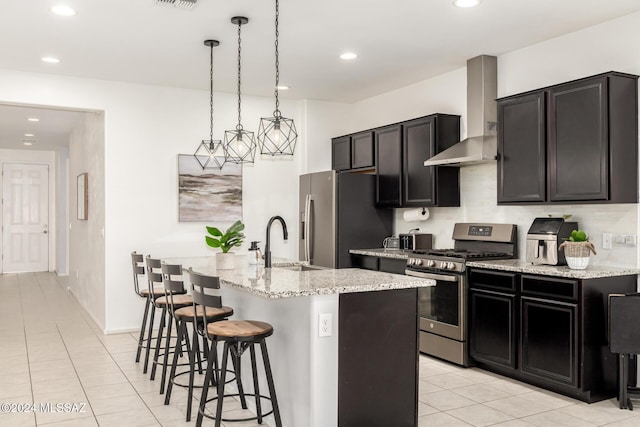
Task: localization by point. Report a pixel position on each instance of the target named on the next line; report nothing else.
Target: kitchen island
(364, 373)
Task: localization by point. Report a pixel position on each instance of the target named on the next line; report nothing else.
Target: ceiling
(399, 42)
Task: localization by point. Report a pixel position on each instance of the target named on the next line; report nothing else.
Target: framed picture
(210, 195)
(83, 196)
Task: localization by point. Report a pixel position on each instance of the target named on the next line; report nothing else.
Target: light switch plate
(606, 240)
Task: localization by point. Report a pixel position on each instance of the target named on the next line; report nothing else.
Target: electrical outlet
(606, 240)
(630, 240)
(325, 325)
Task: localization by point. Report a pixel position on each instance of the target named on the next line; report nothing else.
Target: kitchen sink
(301, 267)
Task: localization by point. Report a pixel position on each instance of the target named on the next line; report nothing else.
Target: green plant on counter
(578, 236)
(233, 236)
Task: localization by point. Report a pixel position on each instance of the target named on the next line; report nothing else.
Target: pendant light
(239, 144)
(210, 152)
(277, 135)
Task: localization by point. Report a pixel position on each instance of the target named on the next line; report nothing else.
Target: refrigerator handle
(307, 218)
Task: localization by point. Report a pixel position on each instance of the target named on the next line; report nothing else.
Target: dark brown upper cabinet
(429, 185)
(362, 150)
(341, 153)
(388, 142)
(573, 142)
(352, 152)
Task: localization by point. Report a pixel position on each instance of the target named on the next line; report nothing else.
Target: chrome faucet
(267, 248)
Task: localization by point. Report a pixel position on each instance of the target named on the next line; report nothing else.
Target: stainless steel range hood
(482, 90)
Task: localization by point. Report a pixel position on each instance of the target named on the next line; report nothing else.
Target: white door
(25, 217)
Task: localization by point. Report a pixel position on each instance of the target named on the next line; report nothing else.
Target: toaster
(416, 241)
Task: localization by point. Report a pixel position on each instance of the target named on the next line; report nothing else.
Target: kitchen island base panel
(378, 359)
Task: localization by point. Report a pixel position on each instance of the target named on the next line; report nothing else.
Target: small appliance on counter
(416, 241)
(544, 237)
(391, 242)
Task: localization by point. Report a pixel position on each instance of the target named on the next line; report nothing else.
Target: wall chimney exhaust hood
(482, 112)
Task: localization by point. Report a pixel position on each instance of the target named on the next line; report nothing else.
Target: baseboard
(122, 331)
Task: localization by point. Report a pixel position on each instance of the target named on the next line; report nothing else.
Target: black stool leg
(149, 337)
(207, 380)
(156, 353)
(196, 349)
(143, 328)
(192, 368)
(223, 373)
(622, 380)
(174, 364)
(235, 360)
(272, 389)
(256, 387)
(167, 347)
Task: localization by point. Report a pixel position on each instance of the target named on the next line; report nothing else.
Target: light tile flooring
(52, 352)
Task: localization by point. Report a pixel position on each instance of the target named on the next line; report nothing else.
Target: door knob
(45, 231)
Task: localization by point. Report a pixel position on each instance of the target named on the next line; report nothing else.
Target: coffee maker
(544, 237)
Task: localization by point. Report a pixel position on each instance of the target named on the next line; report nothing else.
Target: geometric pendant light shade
(210, 152)
(277, 135)
(239, 144)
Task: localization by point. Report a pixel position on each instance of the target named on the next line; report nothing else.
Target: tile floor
(51, 351)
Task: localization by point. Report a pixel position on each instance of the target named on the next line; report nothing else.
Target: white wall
(597, 49)
(323, 121)
(86, 237)
(37, 157)
(62, 212)
(146, 127)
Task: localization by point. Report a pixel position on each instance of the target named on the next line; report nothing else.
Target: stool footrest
(232, 420)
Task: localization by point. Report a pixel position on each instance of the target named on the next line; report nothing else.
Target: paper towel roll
(420, 214)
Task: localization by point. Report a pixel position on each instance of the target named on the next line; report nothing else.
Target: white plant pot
(225, 261)
(577, 263)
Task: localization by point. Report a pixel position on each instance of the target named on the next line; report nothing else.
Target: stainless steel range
(443, 308)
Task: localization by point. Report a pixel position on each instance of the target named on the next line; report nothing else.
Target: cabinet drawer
(549, 287)
(392, 265)
(492, 280)
(365, 262)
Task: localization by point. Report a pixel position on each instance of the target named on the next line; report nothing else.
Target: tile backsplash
(478, 190)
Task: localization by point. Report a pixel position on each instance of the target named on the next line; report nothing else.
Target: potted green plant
(233, 236)
(577, 250)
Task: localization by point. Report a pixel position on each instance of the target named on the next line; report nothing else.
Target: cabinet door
(389, 166)
(578, 141)
(362, 150)
(522, 149)
(493, 332)
(418, 144)
(341, 153)
(549, 340)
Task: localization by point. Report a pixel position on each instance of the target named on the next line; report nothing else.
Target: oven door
(442, 307)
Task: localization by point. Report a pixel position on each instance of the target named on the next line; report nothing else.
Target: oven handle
(442, 277)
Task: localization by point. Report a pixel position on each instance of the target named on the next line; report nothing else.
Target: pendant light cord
(277, 113)
(239, 126)
(211, 97)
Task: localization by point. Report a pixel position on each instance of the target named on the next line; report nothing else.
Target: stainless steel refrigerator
(338, 213)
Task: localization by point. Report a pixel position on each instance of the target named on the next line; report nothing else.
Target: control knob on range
(450, 266)
(431, 263)
(418, 262)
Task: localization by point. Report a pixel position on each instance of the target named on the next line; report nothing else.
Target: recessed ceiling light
(29, 134)
(466, 3)
(283, 87)
(348, 56)
(27, 142)
(51, 60)
(33, 119)
(63, 10)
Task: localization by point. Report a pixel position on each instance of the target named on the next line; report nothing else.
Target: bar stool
(238, 335)
(149, 294)
(205, 309)
(624, 339)
(167, 298)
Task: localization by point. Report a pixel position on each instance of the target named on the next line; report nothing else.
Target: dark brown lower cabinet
(550, 340)
(544, 330)
(494, 336)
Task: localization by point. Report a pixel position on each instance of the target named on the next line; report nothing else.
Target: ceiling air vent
(182, 4)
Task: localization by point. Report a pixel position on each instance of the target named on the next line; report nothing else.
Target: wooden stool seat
(178, 300)
(188, 313)
(239, 328)
(158, 291)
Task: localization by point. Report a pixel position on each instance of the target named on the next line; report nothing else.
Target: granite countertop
(521, 266)
(518, 266)
(384, 253)
(280, 282)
